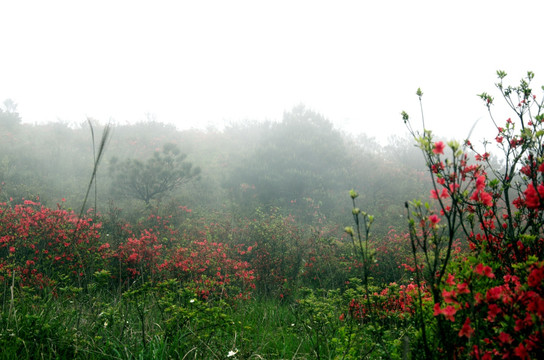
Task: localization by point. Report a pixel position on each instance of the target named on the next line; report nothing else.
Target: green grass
(269, 330)
(102, 325)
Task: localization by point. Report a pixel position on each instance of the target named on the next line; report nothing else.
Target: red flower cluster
(533, 197)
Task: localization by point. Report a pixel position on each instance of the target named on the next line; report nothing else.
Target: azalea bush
(44, 248)
(278, 247)
(141, 278)
(487, 301)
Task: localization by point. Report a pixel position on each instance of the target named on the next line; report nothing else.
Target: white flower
(192, 301)
(232, 353)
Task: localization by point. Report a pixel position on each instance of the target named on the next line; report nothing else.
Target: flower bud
(353, 194)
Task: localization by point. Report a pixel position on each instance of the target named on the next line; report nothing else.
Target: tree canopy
(160, 174)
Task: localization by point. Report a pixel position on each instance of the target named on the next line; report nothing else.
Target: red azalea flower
(449, 312)
(536, 277)
(489, 272)
(466, 330)
(521, 351)
(532, 200)
(437, 310)
(439, 147)
(484, 270)
(483, 197)
(463, 288)
(480, 182)
(492, 313)
(132, 257)
(505, 338)
(434, 219)
(526, 170)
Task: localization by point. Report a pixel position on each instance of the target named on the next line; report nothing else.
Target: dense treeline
(296, 164)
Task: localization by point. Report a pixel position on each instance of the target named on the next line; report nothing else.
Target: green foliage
(157, 176)
(300, 157)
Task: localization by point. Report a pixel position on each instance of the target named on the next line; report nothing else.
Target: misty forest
(287, 239)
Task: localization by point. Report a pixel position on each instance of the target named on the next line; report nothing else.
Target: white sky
(201, 63)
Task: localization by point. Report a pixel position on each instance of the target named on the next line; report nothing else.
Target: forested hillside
(297, 165)
(284, 239)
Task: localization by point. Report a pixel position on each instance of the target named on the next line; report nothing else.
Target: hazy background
(206, 63)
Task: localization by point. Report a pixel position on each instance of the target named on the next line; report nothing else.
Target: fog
(274, 105)
(208, 64)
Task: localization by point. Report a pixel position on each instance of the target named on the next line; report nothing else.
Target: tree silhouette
(160, 174)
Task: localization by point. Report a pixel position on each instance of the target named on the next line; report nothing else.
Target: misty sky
(202, 63)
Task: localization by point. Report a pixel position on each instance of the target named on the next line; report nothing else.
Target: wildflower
(449, 296)
(526, 170)
(439, 147)
(484, 270)
(521, 351)
(463, 288)
(444, 194)
(104, 246)
(133, 257)
(536, 277)
(532, 198)
(466, 330)
(492, 313)
(505, 338)
(480, 183)
(434, 219)
(483, 197)
(232, 353)
(449, 311)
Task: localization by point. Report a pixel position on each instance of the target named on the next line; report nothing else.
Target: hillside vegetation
(274, 240)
